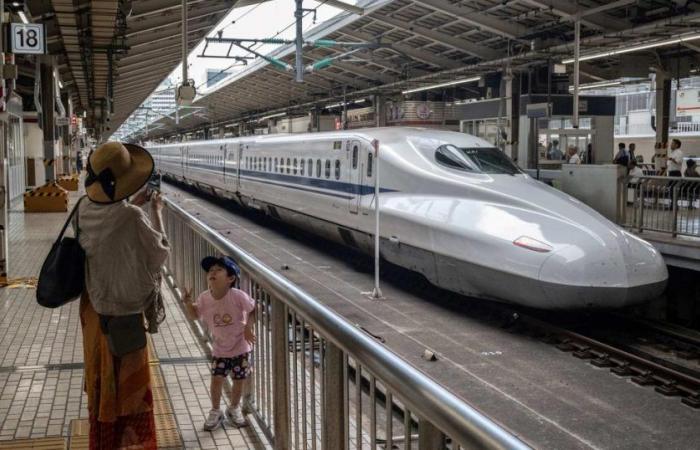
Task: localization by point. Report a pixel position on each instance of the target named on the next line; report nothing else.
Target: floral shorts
(239, 366)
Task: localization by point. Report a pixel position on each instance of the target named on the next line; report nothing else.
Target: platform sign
(537, 110)
(27, 38)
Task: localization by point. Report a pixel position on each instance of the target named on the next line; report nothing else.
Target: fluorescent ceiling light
(60, 85)
(636, 48)
(273, 115)
(23, 16)
(597, 85)
(441, 85)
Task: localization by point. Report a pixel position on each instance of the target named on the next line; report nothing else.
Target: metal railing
(662, 204)
(319, 381)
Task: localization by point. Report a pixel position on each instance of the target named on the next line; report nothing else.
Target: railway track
(647, 352)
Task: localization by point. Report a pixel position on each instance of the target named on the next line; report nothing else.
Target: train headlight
(532, 244)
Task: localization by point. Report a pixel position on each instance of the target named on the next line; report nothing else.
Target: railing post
(674, 227)
(334, 399)
(429, 436)
(280, 371)
(639, 215)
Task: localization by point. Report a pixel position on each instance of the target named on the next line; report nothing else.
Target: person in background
(635, 172)
(691, 169)
(659, 159)
(631, 149)
(589, 153)
(572, 155)
(675, 159)
(623, 157)
(554, 153)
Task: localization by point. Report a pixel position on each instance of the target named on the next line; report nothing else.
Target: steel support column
(48, 106)
(663, 105)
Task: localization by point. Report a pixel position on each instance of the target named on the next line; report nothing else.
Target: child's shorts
(239, 366)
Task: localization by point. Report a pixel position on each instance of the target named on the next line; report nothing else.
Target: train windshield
(482, 160)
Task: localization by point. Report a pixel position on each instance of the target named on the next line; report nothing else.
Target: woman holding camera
(124, 252)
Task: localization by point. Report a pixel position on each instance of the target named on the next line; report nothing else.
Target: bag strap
(70, 216)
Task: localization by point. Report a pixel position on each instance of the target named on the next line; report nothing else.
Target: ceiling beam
(477, 19)
(417, 54)
(480, 51)
(570, 11)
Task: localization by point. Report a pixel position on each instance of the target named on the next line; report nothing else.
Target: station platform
(42, 403)
(544, 396)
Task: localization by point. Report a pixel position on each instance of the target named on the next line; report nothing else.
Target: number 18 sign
(27, 38)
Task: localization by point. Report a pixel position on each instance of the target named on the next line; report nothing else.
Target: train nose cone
(613, 274)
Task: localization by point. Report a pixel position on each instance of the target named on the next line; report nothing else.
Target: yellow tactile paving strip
(50, 443)
(167, 434)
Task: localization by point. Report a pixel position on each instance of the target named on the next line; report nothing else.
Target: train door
(239, 164)
(183, 161)
(355, 163)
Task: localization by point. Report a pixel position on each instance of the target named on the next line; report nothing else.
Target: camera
(153, 185)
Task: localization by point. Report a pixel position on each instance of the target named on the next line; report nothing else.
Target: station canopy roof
(427, 42)
(138, 42)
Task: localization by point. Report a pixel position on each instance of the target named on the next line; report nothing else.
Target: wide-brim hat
(116, 171)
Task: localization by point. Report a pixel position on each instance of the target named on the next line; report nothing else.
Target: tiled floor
(41, 357)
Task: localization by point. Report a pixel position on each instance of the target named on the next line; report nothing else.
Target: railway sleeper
(603, 361)
(668, 389)
(693, 401)
(645, 378)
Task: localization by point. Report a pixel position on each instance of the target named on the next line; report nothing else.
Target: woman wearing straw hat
(124, 252)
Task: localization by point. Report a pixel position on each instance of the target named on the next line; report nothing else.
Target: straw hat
(116, 171)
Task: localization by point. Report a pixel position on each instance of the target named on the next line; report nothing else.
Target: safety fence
(320, 381)
(662, 204)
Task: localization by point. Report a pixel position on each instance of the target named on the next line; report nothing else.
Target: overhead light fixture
(597, 85)
(23, 16)
(636, 48)
(441, 85)
(273, 116)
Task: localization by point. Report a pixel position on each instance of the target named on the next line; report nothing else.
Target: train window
(289, 165)
(355, 154)
(310, 165)
(484, 160)
(328, 168)
(337, 169)
(302, 166)
(295, 166)
(318, 168)
(370, 158)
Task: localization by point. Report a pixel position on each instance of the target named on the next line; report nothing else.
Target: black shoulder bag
(62, 276)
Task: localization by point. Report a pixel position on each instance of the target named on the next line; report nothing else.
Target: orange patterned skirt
(120, 399)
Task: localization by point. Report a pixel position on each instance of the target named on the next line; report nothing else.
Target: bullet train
(452, 208)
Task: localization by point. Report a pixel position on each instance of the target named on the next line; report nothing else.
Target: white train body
(470, 221)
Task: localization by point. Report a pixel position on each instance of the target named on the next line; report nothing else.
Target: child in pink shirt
(229, 315)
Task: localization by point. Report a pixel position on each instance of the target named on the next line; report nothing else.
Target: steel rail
(463, 423)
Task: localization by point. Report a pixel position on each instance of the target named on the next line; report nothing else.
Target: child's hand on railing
(249, 335)
(187, 296)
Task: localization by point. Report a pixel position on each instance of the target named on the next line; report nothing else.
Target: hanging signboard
(27, 38)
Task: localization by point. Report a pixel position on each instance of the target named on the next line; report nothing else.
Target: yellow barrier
(47, 198)
(68, 182)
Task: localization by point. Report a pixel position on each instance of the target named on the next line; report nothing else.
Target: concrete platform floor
(545, 396)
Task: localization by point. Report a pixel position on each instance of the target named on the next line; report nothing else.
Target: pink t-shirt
(226, 319)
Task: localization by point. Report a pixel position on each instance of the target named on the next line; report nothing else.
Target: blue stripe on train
(290, 180)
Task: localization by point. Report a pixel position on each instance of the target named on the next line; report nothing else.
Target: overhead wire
(260, 44)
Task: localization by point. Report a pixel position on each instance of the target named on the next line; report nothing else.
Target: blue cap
(226, 262)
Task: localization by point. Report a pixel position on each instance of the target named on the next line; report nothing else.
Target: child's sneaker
(235, 417)
(214, 420)
(248, 404)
